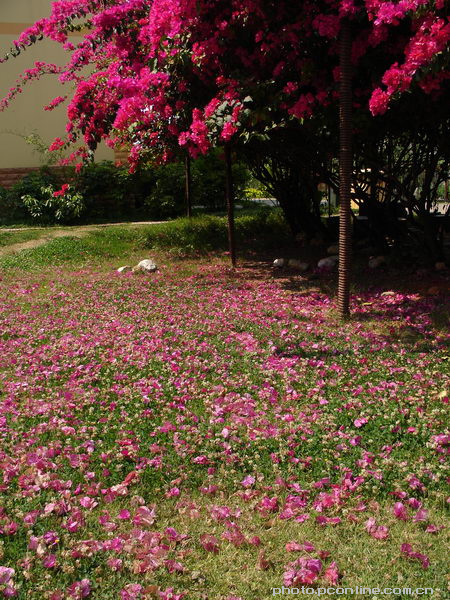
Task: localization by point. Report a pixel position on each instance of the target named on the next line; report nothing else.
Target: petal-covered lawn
(207, 434)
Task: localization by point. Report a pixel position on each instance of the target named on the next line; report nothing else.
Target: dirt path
(52, 233)
(75, 227)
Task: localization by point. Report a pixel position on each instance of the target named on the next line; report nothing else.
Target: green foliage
(13, 207)
(252, 192)
(50, 207)
(110, 192)
(10, 238)
(40, 146)
(208, 181)
(264, 228)
(167, 197)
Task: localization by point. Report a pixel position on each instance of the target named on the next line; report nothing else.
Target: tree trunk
(345, 169)
(230, 205)
(188, 181)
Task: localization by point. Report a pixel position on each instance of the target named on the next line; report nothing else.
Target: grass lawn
(16, 237)
(207, 434)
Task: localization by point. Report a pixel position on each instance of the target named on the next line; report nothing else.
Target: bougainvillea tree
(155, 74)
(148, 70)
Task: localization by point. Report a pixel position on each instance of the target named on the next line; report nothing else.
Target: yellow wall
(26, 113)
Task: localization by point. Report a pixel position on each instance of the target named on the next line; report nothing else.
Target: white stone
(328, 263)
(124, 269)
(294, 263)
(145, 266)
(333, 249)
(278, 263)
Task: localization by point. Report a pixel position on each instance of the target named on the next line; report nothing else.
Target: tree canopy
(154, 75)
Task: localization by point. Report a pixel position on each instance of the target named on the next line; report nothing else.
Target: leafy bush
(252, 192)
(167, 197)
(103, 187)
(50, 206)
(13, 208)
(110, 192)
(208, 181)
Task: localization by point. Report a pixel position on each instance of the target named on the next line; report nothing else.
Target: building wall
(26, 115)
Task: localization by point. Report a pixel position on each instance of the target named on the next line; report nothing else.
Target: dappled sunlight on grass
(179, 430)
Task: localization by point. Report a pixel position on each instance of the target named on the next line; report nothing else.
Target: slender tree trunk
(230, 205)
(345, 169)
(188, 181)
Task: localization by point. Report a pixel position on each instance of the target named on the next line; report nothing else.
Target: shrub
(50, 206)
(208, 181)
(167, 197)
(110, 192)
(13, 207)
(103, 187)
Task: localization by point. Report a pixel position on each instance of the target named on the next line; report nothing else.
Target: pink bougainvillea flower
(379, 532)
(169, 594)
(248, 481)
(255, 540)
(173, 566)
(115, 564)
(49, 561)
(61, 192)
(234, 535)
(144, 516)
(209, 542)
(79, 589)
(422, 558)
(131, 591)
(421, 516)
(303, 571)
(268, 505)
(174, 536)
(331, 574)
(6, 574)
(300, 547)
(400, 511)
(321, 520)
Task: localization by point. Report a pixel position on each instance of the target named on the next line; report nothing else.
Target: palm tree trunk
(188, 181)
(345, 169)
(230, 205)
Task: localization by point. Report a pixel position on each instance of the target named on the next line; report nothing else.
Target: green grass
(8, 238)
(180, 238)
(106, 243)
(112, 336)
(264, 228)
